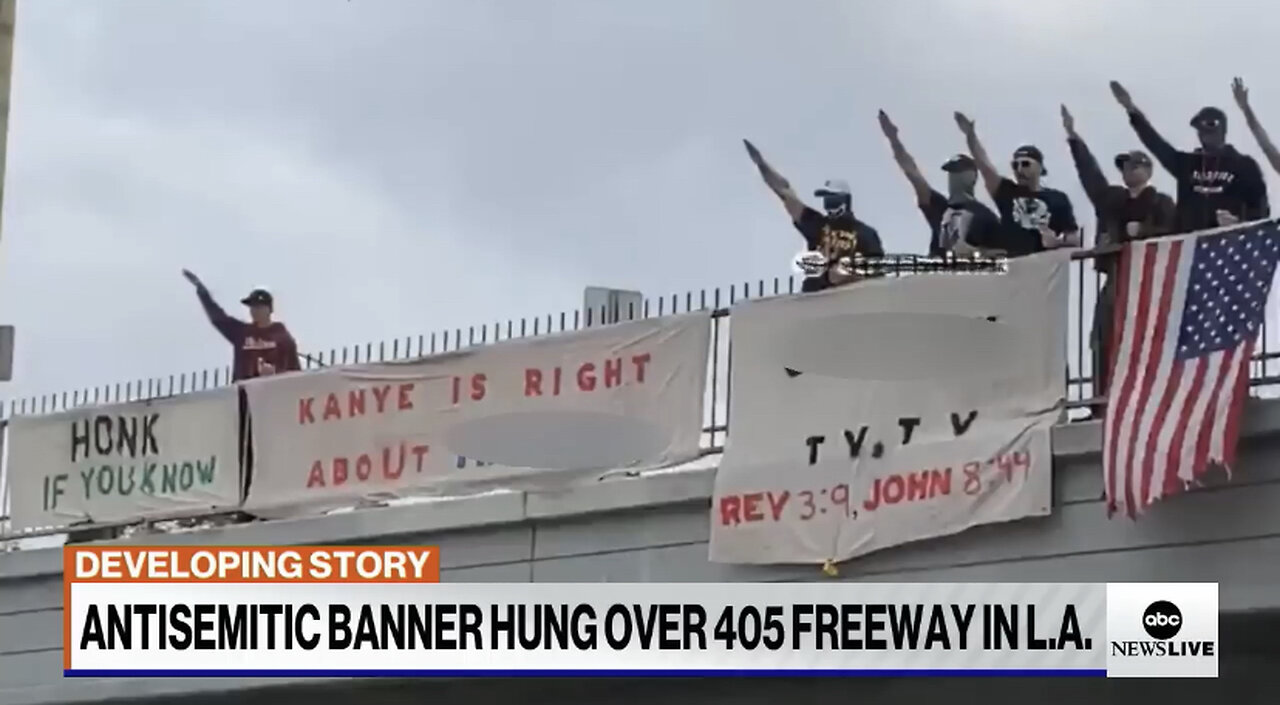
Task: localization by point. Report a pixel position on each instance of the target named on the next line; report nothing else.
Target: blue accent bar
(571, 673)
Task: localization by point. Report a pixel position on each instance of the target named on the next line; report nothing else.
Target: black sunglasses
(1023, 163)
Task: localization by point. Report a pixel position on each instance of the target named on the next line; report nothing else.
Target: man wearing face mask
(1133, 211)
(961, 224)
(836, 233)
(1217, 185)
(1034, 218)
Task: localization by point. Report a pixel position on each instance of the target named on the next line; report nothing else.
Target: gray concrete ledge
(1072, 443)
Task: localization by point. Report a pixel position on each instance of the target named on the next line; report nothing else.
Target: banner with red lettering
(891, 411)
(520, 413)
(139, 460)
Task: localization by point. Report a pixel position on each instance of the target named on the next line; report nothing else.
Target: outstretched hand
(1240, 93)
(1122, 96)
(886, 125)
(772, 179)
(965, 124)
(191, 277)
(1068, 121)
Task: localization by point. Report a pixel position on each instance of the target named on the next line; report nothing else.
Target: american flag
(1188, 311)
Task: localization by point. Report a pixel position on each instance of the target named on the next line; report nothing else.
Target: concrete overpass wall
(654, 529)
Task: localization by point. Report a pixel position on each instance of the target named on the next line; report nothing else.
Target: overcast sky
(393, 167)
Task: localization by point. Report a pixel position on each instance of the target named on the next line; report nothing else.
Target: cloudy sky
(393, 167)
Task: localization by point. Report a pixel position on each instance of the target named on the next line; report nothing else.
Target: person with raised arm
(1133, 211)
(1218, 186)
(1259, 133)
(1034, 217)
(837, 233)
(960, 223)
(261, 346)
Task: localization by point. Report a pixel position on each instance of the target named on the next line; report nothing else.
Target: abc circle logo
(1162, 620)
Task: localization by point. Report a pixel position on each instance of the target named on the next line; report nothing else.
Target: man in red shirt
(262, 346)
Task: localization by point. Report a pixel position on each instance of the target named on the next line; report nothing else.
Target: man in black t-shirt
(961, 224)
(837, 233)
(1034, 218)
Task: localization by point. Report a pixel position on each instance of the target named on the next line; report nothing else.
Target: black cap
(258, 297)
(1136, 156)
(960, 162)
(1209, 117)
(1028, 151)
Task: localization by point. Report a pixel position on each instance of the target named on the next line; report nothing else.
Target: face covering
(835, 205)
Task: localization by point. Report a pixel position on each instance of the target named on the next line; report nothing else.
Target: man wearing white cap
(835, 233)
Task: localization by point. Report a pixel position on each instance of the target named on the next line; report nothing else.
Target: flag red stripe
(1232, 430)
(1117, 337)
(1211, 411)
(1173, 458)
(1159, 348)
(1122, 413)
(1176, 372)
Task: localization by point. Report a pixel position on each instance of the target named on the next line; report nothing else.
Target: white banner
(125, 461)
(518, 413)
(891, 411)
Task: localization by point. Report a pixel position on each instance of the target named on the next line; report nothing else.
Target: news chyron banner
(346, 611)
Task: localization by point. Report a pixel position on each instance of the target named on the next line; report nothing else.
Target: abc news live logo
(1162, 621)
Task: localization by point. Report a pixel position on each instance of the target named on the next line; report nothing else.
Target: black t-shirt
(1023, 211)
(835, 238)
(970, 220)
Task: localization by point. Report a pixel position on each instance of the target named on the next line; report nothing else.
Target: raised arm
(905, 162)
(229, 327)
(1091, 176)
(1165, 153)
(776, 183)
(1255, 126)
(990, 176)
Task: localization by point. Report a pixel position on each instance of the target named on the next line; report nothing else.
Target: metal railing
(1085, 285)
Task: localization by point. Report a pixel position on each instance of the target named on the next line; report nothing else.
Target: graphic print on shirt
(954, 227)
(258, 344)
(1030, 213)
(836, 243)
(1211, 182)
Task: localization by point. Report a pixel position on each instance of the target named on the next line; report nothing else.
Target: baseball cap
(258, 297)
(834, 187)
(1209, 117)
(1032, 152)
(1137, 156)
(960, 162)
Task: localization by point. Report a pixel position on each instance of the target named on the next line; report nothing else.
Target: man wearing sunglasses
(836, 233)
(1217, 185)
(1133, 211)
(961, 224)
(1034, 218)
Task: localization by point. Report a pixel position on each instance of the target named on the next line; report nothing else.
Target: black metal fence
(1085, 284)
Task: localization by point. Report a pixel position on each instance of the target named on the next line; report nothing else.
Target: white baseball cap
(834, 187)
